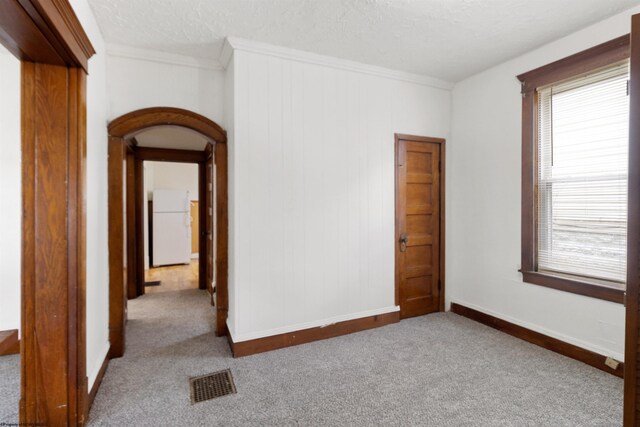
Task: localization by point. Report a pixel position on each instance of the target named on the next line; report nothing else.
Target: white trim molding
(162, 57)
(233, 43)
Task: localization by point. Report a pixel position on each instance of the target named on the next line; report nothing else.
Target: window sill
(574, 286)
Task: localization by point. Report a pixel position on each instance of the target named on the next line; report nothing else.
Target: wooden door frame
(404, 137)
(170, 156)
(47, 37)
(632, 295)
(121, 133)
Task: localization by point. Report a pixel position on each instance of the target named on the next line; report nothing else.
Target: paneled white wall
(10, 191)
(313, 185)
(483, 247)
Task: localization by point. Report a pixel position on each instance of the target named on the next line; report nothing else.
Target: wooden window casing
(575, 65)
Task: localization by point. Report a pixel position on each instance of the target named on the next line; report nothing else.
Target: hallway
(169, 339)
(440, 369)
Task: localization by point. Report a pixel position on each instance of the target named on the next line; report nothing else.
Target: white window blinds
(583, 131)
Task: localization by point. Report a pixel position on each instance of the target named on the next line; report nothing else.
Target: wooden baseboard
(98, 381)
(578, 353)
(260, 345)
(9, 342)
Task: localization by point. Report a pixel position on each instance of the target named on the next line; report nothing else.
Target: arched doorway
(126, 257)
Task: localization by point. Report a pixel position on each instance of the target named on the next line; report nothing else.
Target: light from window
(583, 134)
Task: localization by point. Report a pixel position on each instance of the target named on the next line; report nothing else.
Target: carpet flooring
(437, 370)
(9, 389)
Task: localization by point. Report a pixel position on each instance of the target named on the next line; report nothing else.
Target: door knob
(403, 242)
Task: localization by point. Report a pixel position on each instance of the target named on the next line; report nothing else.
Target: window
(575, 168)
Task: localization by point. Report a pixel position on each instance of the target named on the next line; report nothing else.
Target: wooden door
(418, 225)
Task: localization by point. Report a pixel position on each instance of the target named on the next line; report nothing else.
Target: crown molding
(162, 57)
(233, 43)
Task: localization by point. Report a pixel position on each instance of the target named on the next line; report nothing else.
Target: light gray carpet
(9, 389)
(439, 370)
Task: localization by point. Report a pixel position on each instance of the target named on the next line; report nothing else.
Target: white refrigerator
(171, 227)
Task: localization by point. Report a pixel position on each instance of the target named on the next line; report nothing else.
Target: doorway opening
(171, 226)
(170, 139)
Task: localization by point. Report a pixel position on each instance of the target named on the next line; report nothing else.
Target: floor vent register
(210, 386)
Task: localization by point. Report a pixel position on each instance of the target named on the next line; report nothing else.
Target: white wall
(483, 246)
(10, 191)
(313, 183)
(97, 224)
(229, 119)
(175, 176)
(147, 195)
(136, 80)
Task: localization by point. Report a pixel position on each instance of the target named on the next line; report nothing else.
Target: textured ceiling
(447, 39)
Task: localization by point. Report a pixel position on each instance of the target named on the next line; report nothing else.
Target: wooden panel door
(418, 226)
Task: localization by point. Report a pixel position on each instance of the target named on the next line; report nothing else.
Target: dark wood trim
(139, 225)
(578, 353)
(574, 286)
(98, 382)
(170, 155)
(398, 219)
(118, 270)
(77, 223)
(176, 156)
(416, 138)
(130, 240)
(443, 162)
(202, 217)
(222, 238)
(48, 38)
(208, 237)
(53, 271)
(9, 342)
(443, 221)
(528, 197)
(150, 229)
(582, 62)
(44, 31)
(136, 121)
(289, 339)
(122, 131)
(632, 329)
